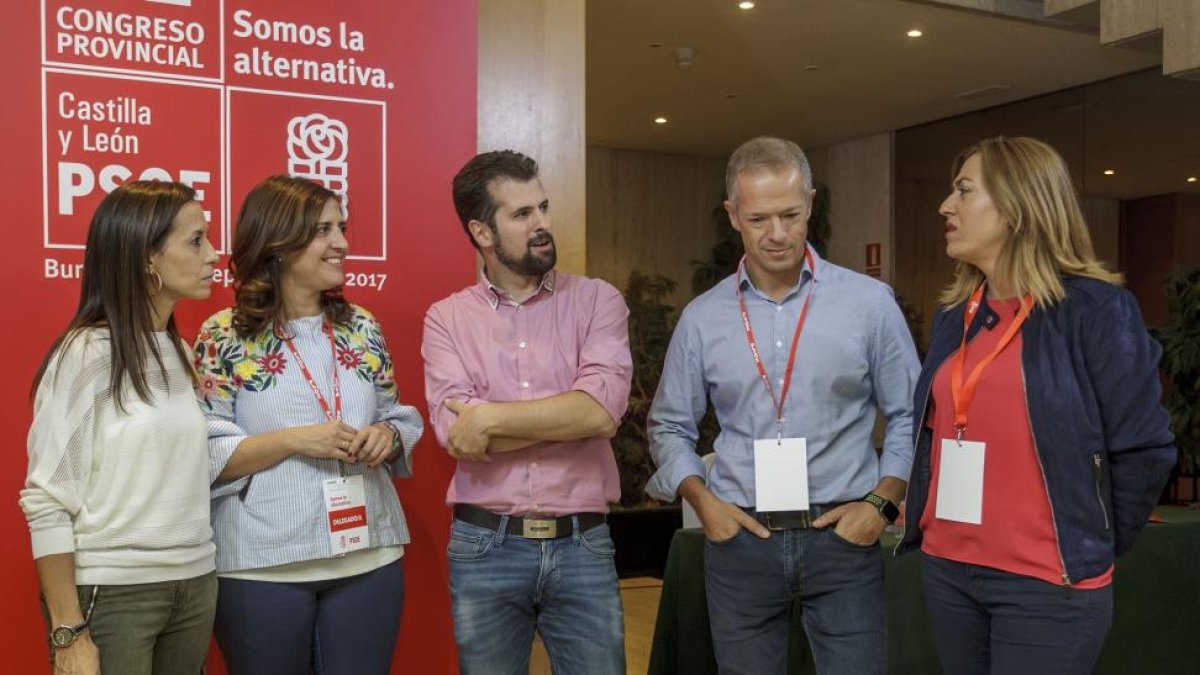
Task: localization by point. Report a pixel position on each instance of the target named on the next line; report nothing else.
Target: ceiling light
(914, 33)
(745, 5)
(684, 56)
(1109, 172)
(660, 120)
(1191, 179)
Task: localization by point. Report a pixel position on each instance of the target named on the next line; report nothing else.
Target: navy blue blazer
(1092, 390)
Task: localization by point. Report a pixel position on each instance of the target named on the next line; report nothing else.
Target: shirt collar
(806, 273)
(494, 295)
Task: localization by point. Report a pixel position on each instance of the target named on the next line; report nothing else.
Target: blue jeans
(337, 627)
(503, 587)
(986, 621)
(751, 584)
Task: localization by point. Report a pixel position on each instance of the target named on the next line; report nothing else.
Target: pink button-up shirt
(479, 346)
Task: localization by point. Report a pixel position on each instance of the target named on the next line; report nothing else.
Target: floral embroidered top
(253, 386)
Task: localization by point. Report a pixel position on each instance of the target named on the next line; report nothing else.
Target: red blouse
(1017, 532)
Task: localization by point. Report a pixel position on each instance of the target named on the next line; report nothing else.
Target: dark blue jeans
(751, 584)
(988, 622)
(337, 627)
(503, 587)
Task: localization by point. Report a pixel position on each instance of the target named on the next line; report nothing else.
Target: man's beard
(530, 264)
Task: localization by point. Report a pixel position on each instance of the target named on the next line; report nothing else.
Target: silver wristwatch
(63, 636)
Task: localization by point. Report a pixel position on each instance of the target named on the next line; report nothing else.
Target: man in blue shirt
(796, 355)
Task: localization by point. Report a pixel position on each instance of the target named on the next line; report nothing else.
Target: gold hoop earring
(158, 280)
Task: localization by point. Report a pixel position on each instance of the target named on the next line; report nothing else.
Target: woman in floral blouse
(305, 435)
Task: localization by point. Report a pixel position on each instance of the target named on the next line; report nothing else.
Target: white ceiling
(749, 73)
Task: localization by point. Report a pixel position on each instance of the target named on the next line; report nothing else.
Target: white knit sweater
(125, 491)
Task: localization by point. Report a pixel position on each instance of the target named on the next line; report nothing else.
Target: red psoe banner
(172, 38)
(376, 100)
(104, 129)
(328, 139)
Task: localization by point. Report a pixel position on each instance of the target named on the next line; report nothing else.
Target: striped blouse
(248, 387)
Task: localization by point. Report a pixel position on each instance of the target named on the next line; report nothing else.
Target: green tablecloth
(1156, 627)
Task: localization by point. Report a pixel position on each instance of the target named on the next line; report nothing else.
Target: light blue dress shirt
(855, 357)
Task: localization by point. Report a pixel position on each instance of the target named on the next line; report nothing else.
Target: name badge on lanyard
(346, 508)
(960, 481)
(345, 496)
(961, 463)
(780, 464)
(781, 474)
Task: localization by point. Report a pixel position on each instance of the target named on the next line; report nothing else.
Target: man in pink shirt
(527, 373)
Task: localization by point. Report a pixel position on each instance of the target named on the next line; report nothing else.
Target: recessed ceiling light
(745, 5)
(1191, 179)
(1109, 172)
(660, 120)
(914, 33)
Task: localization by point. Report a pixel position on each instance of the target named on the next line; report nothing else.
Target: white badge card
(346, 506)
(781, 474)
(960, 482)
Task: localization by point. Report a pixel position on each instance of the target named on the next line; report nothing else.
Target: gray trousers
(152, 629)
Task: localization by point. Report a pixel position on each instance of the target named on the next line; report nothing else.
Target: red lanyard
(964, 392)
(762, 371)
(331, 413)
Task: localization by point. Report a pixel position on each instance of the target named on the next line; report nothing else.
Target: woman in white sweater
(116, 494)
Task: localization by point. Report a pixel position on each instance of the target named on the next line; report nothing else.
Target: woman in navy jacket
(1043, 447)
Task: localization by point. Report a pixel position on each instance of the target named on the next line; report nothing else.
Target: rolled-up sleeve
(218, 398)
(445, 375)
(605, 365)
(673, 421)
(894, 371)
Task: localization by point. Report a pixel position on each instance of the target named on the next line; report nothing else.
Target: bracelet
(397, 445)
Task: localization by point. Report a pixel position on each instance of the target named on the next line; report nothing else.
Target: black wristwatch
(62, 636)
(886, 508)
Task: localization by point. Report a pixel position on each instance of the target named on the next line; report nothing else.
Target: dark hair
(131, 223)
(279, 216)
(472, 200)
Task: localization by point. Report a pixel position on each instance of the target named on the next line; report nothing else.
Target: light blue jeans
(503, 587)
(751, 584)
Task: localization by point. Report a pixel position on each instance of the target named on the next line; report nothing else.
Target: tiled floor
(640, 599)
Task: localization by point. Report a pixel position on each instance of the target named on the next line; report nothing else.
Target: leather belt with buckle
(529, 527)
(791, 520)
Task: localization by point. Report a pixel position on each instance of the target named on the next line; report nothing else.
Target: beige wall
(859, 175)
(531, 99)
(650, 212)
(654, 211)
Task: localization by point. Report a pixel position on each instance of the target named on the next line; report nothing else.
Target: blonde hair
(1048, 239)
